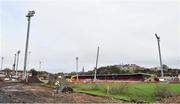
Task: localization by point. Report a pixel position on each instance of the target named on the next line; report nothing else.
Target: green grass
(136, 92)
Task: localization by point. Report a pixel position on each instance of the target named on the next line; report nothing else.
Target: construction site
(80, 89)
(23, 93)
(97, 51)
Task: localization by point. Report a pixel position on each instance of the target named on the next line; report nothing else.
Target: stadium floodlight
(18, 52)
(40, 65)
(14, 64)
(29, 15)
(2, 59)
(28, 65)
(77, 76)
(159, 49)
(95, 70)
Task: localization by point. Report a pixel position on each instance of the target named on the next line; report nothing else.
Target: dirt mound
(174, 99)
(152, 79)
(65, 89)
(33, 80)
(1, 80)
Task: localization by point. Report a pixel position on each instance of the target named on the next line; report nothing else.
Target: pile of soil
(32, 79)
(152, 79)
(1, 80)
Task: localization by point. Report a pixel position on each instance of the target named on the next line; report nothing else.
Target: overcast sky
(64, 29)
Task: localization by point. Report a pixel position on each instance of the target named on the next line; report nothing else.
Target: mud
(22, 93)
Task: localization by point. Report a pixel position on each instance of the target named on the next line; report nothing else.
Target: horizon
(98, 68)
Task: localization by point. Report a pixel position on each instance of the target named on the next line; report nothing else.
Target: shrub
(34, 72)
(163, 91)
(122, 89)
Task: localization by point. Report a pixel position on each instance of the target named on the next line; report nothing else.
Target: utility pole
(95, 70)
(17, 61)
(159, 49)
(29, 15)
(14, 64)
(2, 59)
(77, 68)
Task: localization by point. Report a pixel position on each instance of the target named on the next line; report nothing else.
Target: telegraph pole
(95, 70)
(159, 49)
(17, 61)
(77, 68)
(2, 59)
(29, 15)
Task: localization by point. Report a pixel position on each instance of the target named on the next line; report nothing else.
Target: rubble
(152, 79)
(32, 79)
(1, 80)
(65, 89)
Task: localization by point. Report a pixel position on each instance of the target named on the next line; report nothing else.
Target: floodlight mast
(17, 61)
(14, 65)
(28, 66)
(2, 59)
(40, 65)
(95, 70)
(77, 76)
(159, 49)
(29, 15)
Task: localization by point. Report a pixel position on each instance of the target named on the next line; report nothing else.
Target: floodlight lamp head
(2, 58)
(30, 13)
(19, 52)
(157, 36)
(76, 58)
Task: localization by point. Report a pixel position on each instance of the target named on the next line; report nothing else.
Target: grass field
(143, 92)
